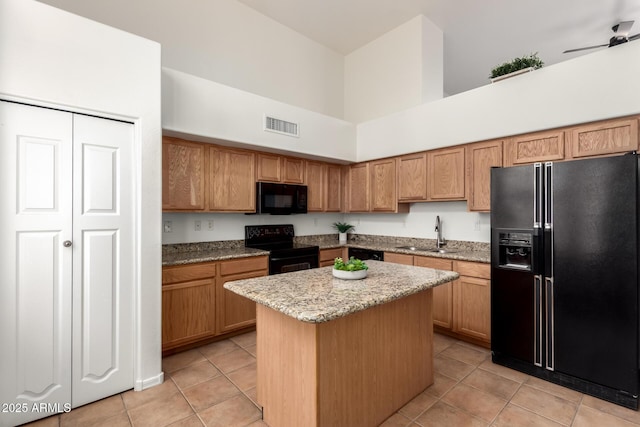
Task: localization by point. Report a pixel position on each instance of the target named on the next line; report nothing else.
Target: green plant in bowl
(353, 264)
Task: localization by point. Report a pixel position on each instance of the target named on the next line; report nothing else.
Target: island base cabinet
(355, 370)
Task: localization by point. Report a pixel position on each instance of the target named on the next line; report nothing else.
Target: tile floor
(215, 385)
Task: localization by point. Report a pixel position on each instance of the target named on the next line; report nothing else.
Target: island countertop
(316, 296)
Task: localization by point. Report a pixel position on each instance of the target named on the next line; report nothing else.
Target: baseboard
(149, 382)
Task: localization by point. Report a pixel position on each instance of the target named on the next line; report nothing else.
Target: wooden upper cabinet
(412, 177)
(268, 167)
(315, 177)
(232, 186)
(602, 138)
(446, 174)
(383, 186)
(275, 168)
(535, 147)
(334, 188)
(293, 170)
(358, 188)
(481, 157)
(183, 175)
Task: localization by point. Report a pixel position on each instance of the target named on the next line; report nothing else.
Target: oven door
(285, 264)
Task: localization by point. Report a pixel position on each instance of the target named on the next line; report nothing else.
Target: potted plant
(516, 66)
(342, 228)
(350, 270)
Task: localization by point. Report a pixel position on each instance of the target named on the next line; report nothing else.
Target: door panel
(103, 267)
(35, 268)
(595, 286)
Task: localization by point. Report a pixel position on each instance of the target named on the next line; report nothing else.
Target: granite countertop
(189, 253)
(209, 254)
(316, 296)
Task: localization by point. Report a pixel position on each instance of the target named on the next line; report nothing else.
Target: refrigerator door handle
(548, 195)
(537, 195)
(537, 324)
(549, 318)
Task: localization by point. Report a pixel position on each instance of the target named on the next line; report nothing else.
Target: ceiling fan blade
(585, 48)
(623, 28)
(634, 37)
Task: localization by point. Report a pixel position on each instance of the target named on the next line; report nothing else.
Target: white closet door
(35, 266)
(103, 269)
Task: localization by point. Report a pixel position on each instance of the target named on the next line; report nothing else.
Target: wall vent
(271, 124)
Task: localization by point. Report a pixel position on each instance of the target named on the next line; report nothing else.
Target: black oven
(284, 255)
(280, 199)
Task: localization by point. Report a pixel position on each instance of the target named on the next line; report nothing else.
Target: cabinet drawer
(473, 269)
(244, 265)
(183, 273)
(398, 258)
(327, 255)
(429, 262)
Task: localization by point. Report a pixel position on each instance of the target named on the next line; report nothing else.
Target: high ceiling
(478, 34)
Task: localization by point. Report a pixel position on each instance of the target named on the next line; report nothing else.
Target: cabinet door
(188, 312)
(481, 158)
(358, 188)
(268, 167)
(232, 186)
(472, 306)
(608, 137)
(328, 256)
(536, 147)
(442, 295)
(446, 174)
(334, 187)
(412, 177)
(292, 170)
(316, 182)
(235, 311)
(183, 175)
(383, 186)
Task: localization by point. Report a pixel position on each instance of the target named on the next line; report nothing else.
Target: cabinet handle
(67, 243)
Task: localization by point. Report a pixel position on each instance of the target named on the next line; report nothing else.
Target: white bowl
(349, 275)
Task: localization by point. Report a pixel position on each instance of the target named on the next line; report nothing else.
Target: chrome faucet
(440, 242)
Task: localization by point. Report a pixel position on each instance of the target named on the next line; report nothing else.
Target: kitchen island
(342, 352)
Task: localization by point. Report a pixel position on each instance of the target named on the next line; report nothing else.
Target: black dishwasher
(364, 254)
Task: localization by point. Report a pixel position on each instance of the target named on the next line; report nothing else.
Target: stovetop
(274, 238)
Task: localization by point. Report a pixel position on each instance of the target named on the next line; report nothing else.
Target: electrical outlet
(197, 225)
(167, 226)
(210, 225)
(477, 224)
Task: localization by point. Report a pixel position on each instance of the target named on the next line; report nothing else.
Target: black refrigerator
(564, 274)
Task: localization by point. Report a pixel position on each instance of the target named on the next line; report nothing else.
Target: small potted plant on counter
(342, 228)
(350, 270)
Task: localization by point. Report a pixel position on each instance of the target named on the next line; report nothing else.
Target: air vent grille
(284, 127)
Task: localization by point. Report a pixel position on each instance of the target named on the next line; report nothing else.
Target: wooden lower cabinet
(188, 304)
(235, 311)
(472, 300)
(196, 307)
(442, 295)
(461, 308)
(328, 256)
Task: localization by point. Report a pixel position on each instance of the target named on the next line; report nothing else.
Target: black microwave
(280, 199)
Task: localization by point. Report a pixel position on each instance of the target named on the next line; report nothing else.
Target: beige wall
(399, 70)
(53, 58)
(229, 43)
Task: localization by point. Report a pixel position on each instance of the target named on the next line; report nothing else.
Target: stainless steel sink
(422, 249)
